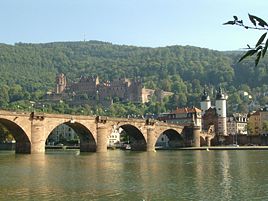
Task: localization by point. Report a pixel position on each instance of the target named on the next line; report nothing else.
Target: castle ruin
(121, 89)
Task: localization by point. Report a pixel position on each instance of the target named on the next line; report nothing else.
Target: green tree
(16, 93)
(250, 128)
(5, 135)
(4, 95)
(265, 127)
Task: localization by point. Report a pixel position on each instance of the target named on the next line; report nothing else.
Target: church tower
(221, 112)
(205, 102)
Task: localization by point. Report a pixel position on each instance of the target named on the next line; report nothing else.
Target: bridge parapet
(35, 116)
(151, 122)
(101, 119)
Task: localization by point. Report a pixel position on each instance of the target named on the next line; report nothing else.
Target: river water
(126, 175)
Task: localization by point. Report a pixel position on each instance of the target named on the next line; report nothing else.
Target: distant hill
(29, 70)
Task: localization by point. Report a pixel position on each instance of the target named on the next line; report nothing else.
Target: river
(138, 176)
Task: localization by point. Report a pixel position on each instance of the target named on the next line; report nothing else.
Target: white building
(114, 138)
(237, 124)
(205, 102)
(221, 111)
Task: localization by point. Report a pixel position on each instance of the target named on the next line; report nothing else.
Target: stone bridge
(31, 131)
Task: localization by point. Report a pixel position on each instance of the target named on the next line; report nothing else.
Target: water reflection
(226, 180)
(123, 175)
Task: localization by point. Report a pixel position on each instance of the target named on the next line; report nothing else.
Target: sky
(146, 23)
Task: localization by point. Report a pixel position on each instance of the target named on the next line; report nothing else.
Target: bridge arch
(170, 139)
(87, 139)
(137, 139)
(23, 144)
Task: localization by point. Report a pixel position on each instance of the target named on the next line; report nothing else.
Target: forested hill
(29, 70)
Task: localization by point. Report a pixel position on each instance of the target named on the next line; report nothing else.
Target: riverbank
(226, 148)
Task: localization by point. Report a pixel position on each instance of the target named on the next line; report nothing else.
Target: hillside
(28, 71)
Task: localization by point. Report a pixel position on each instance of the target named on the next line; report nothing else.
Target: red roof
(186, 110)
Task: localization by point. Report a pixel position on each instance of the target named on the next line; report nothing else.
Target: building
(210, 118)
(258, 122)
(237, 124)
(264, 121)
(253, 125)
(90, 88)
(182, 116)
(221, 111)
(85, 85)
(205, 102)
(114, 138)
(215, 116)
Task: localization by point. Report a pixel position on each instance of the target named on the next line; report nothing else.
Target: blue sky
(149, 23)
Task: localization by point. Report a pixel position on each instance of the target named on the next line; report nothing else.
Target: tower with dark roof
(205, 102)
(221, 111)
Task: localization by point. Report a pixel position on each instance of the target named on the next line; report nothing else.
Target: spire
(220, 95)
(205, 96)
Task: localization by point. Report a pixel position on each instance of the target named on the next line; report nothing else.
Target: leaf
(258, 58)
(261, 39)
(258, 48)
(262, 23)
(251, 17)
(265, 48)
(229, 22)
(248, 53)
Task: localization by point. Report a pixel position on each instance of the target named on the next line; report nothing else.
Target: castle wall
(122, 88)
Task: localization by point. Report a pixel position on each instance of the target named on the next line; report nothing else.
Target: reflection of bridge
(31, 131)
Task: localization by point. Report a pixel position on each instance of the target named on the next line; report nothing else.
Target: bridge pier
(192, 136)
(102, 134)
(37, 137)
(150, 140)
(196, 136)
(208, 141)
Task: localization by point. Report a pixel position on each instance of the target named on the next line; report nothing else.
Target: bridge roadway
(31, 131)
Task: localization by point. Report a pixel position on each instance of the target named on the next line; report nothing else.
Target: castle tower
(205, 102)
(61, 83)
(221, 112)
